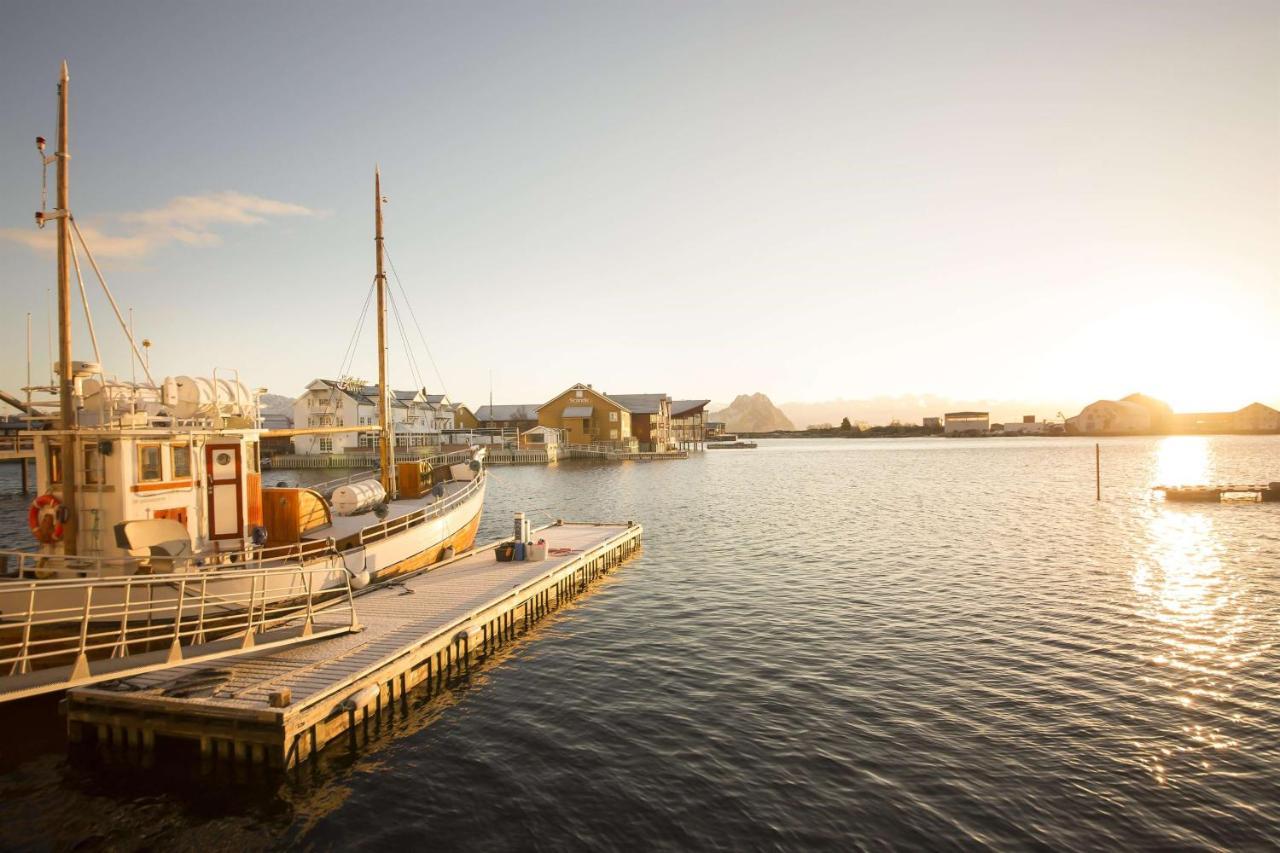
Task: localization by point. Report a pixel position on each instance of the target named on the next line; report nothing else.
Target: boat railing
(392, 526)
(46, 566)
(17, 444)
(60, 633)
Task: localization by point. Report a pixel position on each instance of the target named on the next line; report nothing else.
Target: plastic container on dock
(520, 549)
(537, 551)
(505, 552)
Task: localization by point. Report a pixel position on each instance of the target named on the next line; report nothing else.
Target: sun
(1196, 352)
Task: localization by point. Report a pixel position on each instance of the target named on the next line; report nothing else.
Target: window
(55, 464)
(92, 465)
(577, 394)
(586, 424)
(149, 466)
(326, 444)
(181, 459)
(613, 433)
(613, 416)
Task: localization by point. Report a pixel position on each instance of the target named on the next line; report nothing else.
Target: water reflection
(1195, 602)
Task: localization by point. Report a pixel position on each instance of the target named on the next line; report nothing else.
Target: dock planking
(280, 707)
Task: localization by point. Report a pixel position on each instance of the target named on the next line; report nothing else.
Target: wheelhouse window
(92, 465)
(55, 463)
(181, 461)
(149, 465)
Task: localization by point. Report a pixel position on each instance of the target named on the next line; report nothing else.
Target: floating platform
(278, 708)
(735, 445)
(1212, 494)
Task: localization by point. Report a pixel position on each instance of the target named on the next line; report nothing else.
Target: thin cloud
(190, 220)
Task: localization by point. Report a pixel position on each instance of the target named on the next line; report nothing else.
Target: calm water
(897, 643)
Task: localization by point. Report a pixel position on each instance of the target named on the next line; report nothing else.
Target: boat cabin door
(223, 474)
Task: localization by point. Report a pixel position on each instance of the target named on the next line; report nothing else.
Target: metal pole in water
(1097, 469)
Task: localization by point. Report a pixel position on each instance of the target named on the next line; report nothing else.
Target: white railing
(44, 566)
(382, 530)
(65, 632)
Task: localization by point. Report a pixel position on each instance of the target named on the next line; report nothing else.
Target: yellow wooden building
(587, 417)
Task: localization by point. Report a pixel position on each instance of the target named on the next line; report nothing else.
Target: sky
(1018, 201)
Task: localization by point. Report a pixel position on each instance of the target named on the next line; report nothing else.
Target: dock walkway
(279, 707)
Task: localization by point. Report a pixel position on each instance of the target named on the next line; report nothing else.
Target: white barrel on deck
(195, 396)
(358, 497)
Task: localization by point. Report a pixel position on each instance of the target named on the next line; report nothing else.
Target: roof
(686, 407)
(640, 404)
(577, 412)
(967, 415)
(516, 412)
(587, 389)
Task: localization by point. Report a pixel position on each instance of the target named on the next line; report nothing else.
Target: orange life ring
(44, 519)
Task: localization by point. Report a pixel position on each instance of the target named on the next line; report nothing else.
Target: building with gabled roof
(588, 417)
(650, 418)
(417, 418)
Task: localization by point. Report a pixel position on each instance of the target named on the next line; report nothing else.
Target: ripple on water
(915, 643)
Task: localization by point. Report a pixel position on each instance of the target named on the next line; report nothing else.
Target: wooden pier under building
(280, 707)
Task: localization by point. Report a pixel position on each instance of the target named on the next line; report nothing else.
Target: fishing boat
(140, 478)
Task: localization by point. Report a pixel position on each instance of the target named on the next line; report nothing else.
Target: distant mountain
(755, 413)
(275, 404)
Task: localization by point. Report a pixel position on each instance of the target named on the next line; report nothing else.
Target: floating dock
(1212, 494)
(278, 708)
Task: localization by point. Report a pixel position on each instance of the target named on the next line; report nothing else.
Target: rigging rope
(84, 299)
(348, 358)
(116, 308)
(404, 339)
(414, 317)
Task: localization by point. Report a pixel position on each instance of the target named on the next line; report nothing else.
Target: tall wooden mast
(384, 414)
(65, 372)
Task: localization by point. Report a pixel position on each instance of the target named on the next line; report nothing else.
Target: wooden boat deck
(412, 630)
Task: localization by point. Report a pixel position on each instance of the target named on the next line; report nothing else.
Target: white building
(1028, 426)
(966, 423)
(417, 417)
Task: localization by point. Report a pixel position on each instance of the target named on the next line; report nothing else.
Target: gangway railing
(61, 633)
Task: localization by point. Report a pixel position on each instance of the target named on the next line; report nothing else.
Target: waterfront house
(464, 418)
(650, 419)
(520, 416)
(541, 437)
(966, 423)
(688, 422)
(587, 417)
(272, 446)
(416, 416)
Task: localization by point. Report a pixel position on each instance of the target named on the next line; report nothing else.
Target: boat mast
(65, 373)
(384, 416)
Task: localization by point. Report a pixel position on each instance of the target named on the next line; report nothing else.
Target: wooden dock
(278, 708)
(1266, 492)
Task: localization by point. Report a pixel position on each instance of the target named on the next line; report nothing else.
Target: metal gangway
(62, 632)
